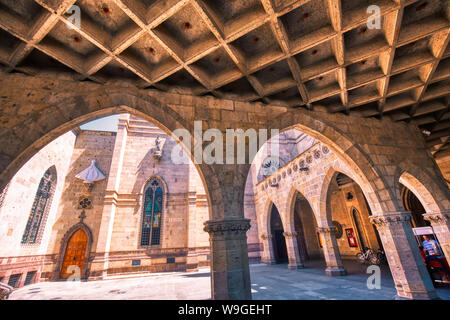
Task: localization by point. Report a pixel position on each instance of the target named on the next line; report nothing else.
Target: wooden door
(75, 254)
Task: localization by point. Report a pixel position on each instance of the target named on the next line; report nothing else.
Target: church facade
(147, 215)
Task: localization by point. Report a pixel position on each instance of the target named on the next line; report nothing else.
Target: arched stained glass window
(151, 219)
(41, 205)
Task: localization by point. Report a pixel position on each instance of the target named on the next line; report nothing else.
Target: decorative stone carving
(317, 154)
(290, 234)
(266, 236)
(326, 229)
(437, 217)
(301, 163)
(227, 227)
(391, 218)
(84, 202)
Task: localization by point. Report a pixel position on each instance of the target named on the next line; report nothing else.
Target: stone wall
(15, 257)
(444, 165)
(89, 145)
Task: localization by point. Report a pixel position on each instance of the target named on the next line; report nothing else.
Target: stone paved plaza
(268, 282)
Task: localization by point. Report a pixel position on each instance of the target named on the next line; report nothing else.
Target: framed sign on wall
(351, 237)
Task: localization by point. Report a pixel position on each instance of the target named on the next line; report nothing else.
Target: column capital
(437, 217)
(326, 229)
(227, 227)
(266, 236)
(388, 218)
(292, 234)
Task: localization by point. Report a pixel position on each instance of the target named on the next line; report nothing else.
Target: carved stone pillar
(440, 221)
(331, 252)
(230, 274)
(268, 256)
(411, 277)
(292, 249)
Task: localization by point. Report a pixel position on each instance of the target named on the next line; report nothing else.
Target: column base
(416, 295)
(419, 297)
(335, 272)
(295, 266)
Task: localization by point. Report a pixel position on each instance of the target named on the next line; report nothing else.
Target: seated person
(432, 258)
(431, 246)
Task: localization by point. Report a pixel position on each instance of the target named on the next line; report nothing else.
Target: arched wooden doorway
(279, 242)
(75, 254)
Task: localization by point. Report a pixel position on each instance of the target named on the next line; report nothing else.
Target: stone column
(292, 249)
(440, 222)
(268, 256)
(411, 277)
(331, 252)
(230, 273)
(192, 258)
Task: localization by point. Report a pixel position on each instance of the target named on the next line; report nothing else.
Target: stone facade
(23, 259)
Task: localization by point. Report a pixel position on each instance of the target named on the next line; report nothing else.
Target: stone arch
(365, 173)
(290, 206)
(433, 195)
(78, 109)
(330, 175)
(266, 214)
(65, 240)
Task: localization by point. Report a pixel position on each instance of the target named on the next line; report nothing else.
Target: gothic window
(40, 208)
(151, 219)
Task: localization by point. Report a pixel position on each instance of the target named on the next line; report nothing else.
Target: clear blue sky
(103, 124)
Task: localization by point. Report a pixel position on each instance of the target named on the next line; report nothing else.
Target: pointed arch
(432, 196)
(324, 205)
(365, 173)
(290, 207)
(266, 215)
(65, 241)
(41, 207)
